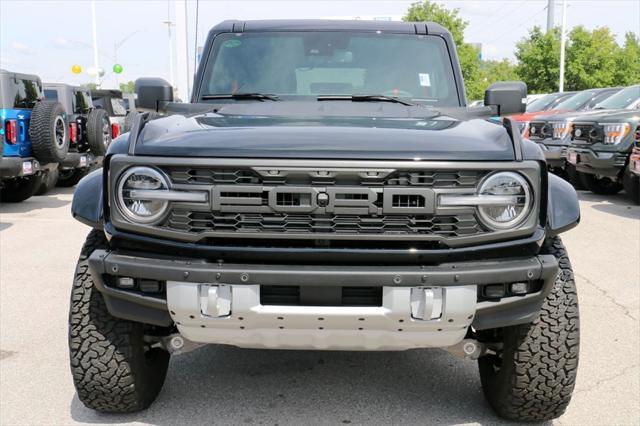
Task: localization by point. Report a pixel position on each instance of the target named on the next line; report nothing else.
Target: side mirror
(152, 92)
(507, 97)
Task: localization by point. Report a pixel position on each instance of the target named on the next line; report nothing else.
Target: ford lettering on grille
(322, 200)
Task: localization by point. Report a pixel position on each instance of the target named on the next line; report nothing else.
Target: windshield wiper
(241, 96)
(364, 98)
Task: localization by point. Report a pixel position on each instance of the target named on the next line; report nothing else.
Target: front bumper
(554, 154)
(13, 167)
(77, 160)
(601, 163)
(390, 326)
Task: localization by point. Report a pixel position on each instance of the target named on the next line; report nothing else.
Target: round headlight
(515, 204)
(134, 194)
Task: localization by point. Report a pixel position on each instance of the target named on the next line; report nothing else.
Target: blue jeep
(34, 135)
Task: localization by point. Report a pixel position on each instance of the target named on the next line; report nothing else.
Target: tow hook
(176, 344)
(468, 349)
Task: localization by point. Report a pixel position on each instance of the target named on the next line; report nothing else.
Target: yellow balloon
(76, 69)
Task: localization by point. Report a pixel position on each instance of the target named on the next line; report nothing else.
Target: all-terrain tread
(107, 358)
(540, 360)
(42, 132)
(97, 144)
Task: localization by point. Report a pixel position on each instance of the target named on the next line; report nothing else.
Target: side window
(80, 105)
(27, 94)
(51, 94)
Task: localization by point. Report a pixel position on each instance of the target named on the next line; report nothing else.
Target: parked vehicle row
(52, 134)
(587, 138)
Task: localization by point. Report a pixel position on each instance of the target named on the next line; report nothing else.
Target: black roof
(395, 27)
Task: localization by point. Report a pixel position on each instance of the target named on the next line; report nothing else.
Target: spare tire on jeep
(129, 119)
(98, 131)
(48, 132)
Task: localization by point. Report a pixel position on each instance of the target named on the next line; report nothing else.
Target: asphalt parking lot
(39, 244)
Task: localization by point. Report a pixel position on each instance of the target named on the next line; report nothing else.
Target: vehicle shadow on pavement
(227, 385)
(611, 204)
(50, 200)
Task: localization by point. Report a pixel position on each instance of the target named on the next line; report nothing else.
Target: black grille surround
(323, 202)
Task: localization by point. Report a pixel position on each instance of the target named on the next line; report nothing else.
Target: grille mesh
(221, 176)
(448, 226)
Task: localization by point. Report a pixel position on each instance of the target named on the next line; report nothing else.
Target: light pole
(95, 42)
(169, 24)
(563, 42)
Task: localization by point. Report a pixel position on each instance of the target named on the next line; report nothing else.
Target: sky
(52, 36)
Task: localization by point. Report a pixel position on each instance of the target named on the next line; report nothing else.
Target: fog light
(494, 291)
(519, 288)
(126, 282)
(149, 286)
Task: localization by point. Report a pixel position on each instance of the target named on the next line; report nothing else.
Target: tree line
(592, 58)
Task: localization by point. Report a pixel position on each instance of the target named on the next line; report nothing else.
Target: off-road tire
(49, 132)
(19, 189)
(573, 176)
(69, 178)
(111, 368)
(631, 184)
(49, 180)
(98, 137)
(600, 186)
(533, 377)
(129, 119)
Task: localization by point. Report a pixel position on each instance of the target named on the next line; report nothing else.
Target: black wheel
(98, 131)
(631, 184)
(113, 369)
(129, 119)
(573, 176)
(19, 189)
(532, 377)
(70, 177)
(48, 132)
(601, 186)
(49, 180)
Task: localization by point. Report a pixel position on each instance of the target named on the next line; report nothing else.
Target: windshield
(543, 103)
(311, 64)
(622, 99)
(577, 101)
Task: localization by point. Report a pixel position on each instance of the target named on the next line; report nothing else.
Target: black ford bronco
(89, 133)
(326, 188)
(600, 150)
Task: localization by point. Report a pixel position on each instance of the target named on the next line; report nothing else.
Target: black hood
(326, 130)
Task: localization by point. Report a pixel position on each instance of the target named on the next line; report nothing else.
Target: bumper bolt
(397, 279)
(185, 274)
(244, 278)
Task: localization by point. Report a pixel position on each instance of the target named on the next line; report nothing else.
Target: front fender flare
(87, 203)
(563, 208)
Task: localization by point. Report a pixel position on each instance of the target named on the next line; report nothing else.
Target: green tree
(591, 59)
(628, 64)
(469, 55)
(538, 60)
(128, 87)
(493, 71)
(90, 86)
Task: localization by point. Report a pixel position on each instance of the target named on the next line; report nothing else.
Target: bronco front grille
(325, 202)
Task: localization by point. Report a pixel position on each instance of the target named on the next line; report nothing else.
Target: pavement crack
(606, 294)
(607, 379)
